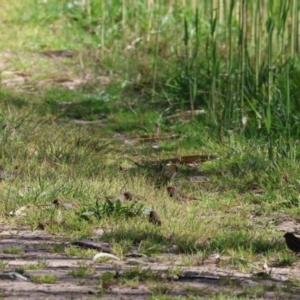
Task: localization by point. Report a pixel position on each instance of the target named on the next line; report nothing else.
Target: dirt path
(202, 280)
(33, 72)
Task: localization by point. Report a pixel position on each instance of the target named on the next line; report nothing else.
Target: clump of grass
(13, 250)
(242, 240)
(79, 252)
(82, 270)
(130, 277)
(260, 290)
(161, 289)
(114, 209)
(229, 281)
(106, 280)
(190, 289)
(58, 248)
(140, 274)
(44, 279)
(198, 71)
(3, 264)
(42, 264)
(285, 259)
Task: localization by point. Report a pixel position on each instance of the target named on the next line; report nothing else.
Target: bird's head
(171, 190)
(128, 196)
(57, 201)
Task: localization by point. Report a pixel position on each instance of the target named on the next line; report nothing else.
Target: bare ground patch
(204, 279)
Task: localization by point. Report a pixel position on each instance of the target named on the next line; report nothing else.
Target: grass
(44, 279)
(133, 277)
(74, 251)
(72, 166)
(194, 289)
(3, 264)
(13, 250)
(42, 264)
(137, 67)
(82, 270)
(161, 289)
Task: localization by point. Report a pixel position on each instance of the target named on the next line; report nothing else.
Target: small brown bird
(60, 203)
(292, 242)
(128, 196)
(154, 218)
(121, 197)
(174, 193)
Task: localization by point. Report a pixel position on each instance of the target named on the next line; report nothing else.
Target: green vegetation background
(143, 61)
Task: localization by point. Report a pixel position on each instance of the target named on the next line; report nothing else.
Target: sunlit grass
(70, 163)
(139, 64)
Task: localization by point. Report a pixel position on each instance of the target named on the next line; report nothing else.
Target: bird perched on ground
(292, 242)
(154, 218)
(60, 203)
(123, 197)
(128, 196)
(174, 193)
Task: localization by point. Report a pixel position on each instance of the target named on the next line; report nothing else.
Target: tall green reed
(234, 58)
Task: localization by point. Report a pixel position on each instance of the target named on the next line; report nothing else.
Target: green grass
(42, 264)
(82, 270)
(13, 250)
(44, 279)
(242, 71)
(132, 278)
(70, 162)
(161, 289)
(3, 264)
(159, 57)
(83, 253)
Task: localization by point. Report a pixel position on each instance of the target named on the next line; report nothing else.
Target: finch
(121, 197)
(127, 196)
(174, 193)
(292, 242)
(59, 203)
(154, 218)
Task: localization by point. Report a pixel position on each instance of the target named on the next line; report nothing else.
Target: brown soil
(206, 276)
